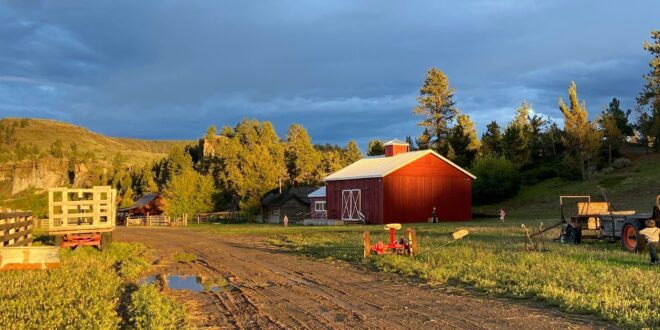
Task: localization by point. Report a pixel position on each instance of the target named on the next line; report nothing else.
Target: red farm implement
(403, 246)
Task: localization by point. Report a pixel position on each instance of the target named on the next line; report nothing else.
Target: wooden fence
(156, 220)
(220, 217)
(15, 228)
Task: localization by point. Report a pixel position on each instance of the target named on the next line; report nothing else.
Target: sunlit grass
(87, 291)
(595, 277)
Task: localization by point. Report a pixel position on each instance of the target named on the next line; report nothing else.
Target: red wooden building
(400, 187)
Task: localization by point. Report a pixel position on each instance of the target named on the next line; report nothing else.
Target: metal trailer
(82, 217)
(600, 220)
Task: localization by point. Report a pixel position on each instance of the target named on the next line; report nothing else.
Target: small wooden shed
(292, 202)
(400, 186)
(149, 204)
(317, 208)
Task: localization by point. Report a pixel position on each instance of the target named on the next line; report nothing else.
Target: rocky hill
(38, 153)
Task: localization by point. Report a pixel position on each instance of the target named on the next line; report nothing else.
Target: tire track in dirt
(272, 289)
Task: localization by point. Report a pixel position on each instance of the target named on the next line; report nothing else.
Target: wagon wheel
(630, 238)
(572, 235)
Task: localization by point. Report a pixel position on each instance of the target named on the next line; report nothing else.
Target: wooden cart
(82, 217)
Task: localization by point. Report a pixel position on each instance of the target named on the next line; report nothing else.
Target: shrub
(497, 179)
(569, 170)
(620, 163)
(149, 309)
(538, 174)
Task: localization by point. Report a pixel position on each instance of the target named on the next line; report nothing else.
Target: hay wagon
(82, 217)
(600, 220)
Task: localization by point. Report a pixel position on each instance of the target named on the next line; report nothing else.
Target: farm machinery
(406, 245)
(82, 217)
(600, 220)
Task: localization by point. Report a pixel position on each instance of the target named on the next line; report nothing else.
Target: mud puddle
(187, 282)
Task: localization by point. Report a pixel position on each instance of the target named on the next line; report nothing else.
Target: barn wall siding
(371, 196)
(313, 213)
(410, 193)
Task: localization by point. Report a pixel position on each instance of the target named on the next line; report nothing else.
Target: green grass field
(90, 290)
(596, 278)
(631, 188)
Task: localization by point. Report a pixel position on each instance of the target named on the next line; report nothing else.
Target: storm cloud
(343, 69)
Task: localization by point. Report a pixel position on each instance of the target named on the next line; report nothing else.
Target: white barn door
(351, 204)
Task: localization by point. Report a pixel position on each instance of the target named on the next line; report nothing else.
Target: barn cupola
(395, 147)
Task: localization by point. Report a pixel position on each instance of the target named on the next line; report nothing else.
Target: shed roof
(274, 198)
(317, 193)
(395, 142)
(144, 200)
(382, 166)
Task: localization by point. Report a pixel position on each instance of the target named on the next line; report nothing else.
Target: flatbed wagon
(82, 217)
(600, 220)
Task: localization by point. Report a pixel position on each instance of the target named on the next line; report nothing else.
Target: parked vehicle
(600, 220)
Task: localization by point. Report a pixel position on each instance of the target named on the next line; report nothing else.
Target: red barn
(400, 187)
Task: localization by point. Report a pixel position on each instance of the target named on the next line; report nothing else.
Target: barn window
(319, 205)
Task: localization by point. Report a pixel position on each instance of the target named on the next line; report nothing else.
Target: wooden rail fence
(15, 228)
(156, 220)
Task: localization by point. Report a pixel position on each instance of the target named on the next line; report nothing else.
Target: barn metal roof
(382, 166)
(317, 193)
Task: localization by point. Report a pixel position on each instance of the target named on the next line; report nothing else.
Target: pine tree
(411, 143)
(517, 135)
(464, 141)
(619, 116)
(424, 140)
(436, 104)
(581, 137)
(613, 135)
(352, 153)
(375, 148)
(649, 98)
(491, 141)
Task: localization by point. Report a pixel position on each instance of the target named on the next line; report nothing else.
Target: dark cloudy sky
(344, 69)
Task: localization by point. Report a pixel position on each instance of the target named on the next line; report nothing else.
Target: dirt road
(271, 289)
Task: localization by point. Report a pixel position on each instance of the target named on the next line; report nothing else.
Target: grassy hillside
(631, 188)
(42, 133)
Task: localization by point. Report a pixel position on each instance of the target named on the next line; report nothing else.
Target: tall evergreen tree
(436, 104)
(619, 116)
(464, 141)
(516, 136)
(375, 148)
(491, 141)
(411, 143)
(649, 98)
(424, 140)
(613, 136)
(581, 137)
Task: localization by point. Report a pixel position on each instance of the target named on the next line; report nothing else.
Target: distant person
(285, 221)
(652, 235)
(434, 215)
(502, 215)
